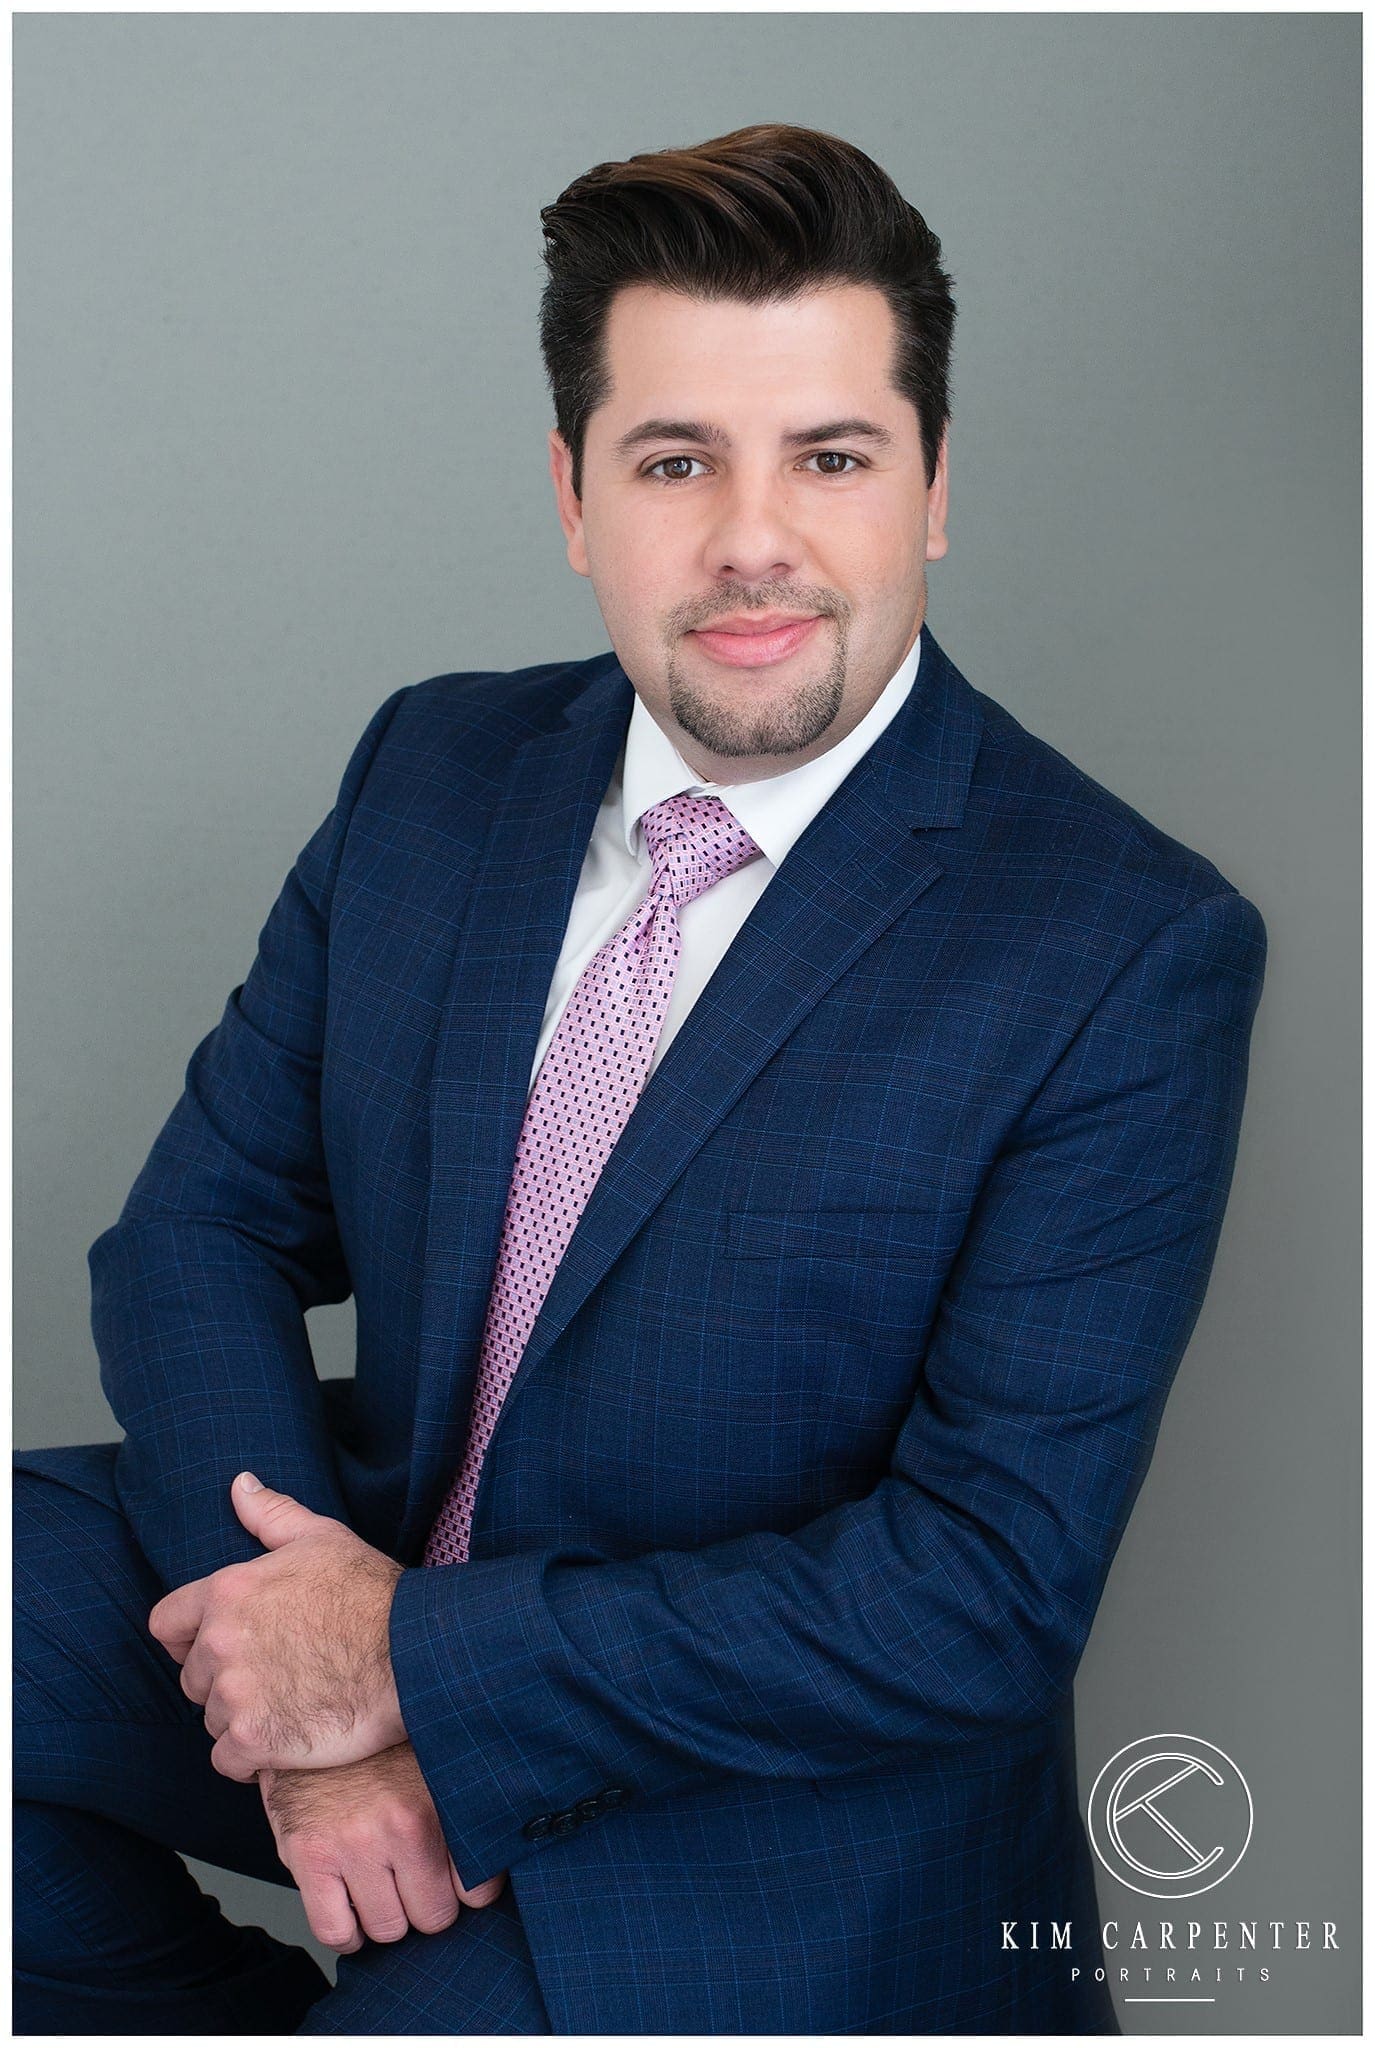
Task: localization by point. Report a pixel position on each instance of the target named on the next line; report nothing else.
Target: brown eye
(664, 462)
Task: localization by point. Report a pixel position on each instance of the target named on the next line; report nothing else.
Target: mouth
(755, 650)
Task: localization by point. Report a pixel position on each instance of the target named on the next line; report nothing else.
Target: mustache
(798, 604)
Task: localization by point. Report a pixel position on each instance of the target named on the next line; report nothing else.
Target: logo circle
(1170, 1816)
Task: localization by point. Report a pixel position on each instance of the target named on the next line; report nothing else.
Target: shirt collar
(774, 811)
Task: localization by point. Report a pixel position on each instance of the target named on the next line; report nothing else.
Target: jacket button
(535, 1830)
(588, 1809)
(614, 1795)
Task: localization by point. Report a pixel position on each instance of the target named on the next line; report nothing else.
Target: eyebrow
(715, 437)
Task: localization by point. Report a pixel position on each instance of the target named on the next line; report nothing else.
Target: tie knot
(694, 841)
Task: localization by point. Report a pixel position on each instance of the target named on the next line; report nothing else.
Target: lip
(745, 649)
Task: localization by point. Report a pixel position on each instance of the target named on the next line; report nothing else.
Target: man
(774, 1116)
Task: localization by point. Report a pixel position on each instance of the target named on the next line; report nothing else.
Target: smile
(755, 650)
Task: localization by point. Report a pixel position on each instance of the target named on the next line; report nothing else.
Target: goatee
(792, 720)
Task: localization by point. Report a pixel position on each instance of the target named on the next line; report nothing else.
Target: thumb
(274, 1518)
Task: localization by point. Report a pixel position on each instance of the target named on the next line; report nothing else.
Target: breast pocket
(834, 1234)
(815, 1272)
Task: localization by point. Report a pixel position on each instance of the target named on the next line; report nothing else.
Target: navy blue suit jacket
(793, 1525)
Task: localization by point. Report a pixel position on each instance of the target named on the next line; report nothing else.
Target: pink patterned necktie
(589, 1080)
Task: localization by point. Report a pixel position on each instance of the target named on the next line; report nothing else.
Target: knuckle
(330, 1936)
(408, 1826)
(231, 1763)
(329, 1920)
(388, 1927)
(433, 1919)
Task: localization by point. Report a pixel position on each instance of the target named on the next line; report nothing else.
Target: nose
(752, 537)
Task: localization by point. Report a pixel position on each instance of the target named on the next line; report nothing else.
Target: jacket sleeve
(948, 1607)
(228, 1236)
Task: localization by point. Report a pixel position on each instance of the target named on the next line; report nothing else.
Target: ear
(569, 505)
(938, 504)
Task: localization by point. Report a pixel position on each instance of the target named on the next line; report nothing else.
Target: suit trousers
(112, 1776)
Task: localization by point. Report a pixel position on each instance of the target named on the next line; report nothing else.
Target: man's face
(710, 500)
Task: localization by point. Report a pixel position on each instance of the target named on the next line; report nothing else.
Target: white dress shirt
(617, 870)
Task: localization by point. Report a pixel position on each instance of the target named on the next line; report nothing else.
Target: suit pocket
(824, 1314)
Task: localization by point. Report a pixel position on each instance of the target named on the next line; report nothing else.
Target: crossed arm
(289, 1658)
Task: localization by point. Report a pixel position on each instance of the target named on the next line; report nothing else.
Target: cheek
(898, 544)
(868, 551)
(892, 573)
(638, 572)
(620, 539)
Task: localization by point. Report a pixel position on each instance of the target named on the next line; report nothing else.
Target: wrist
(388, 1726)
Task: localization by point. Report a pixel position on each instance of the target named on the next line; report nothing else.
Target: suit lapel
(857, 867)
(518, 899)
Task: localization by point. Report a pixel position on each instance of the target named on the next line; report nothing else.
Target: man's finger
(427, 1892)
(274, 1518)
(196, 1679)
(329, 1910)
(216, 1719)
(482, 1894)
(376, 1900)
(231, 1761)
(176, 1620)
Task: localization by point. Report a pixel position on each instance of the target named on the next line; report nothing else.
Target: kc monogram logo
(1170, 1816)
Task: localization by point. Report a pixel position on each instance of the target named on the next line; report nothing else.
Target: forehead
(831, 347)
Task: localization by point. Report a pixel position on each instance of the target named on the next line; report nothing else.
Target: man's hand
(290, 1654)
(364, 1845)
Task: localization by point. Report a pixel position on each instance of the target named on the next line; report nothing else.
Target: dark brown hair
(760, 214)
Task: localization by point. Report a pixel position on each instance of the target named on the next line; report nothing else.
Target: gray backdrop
(280, 447)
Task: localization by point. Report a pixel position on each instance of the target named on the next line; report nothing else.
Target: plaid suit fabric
(796, 1515)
